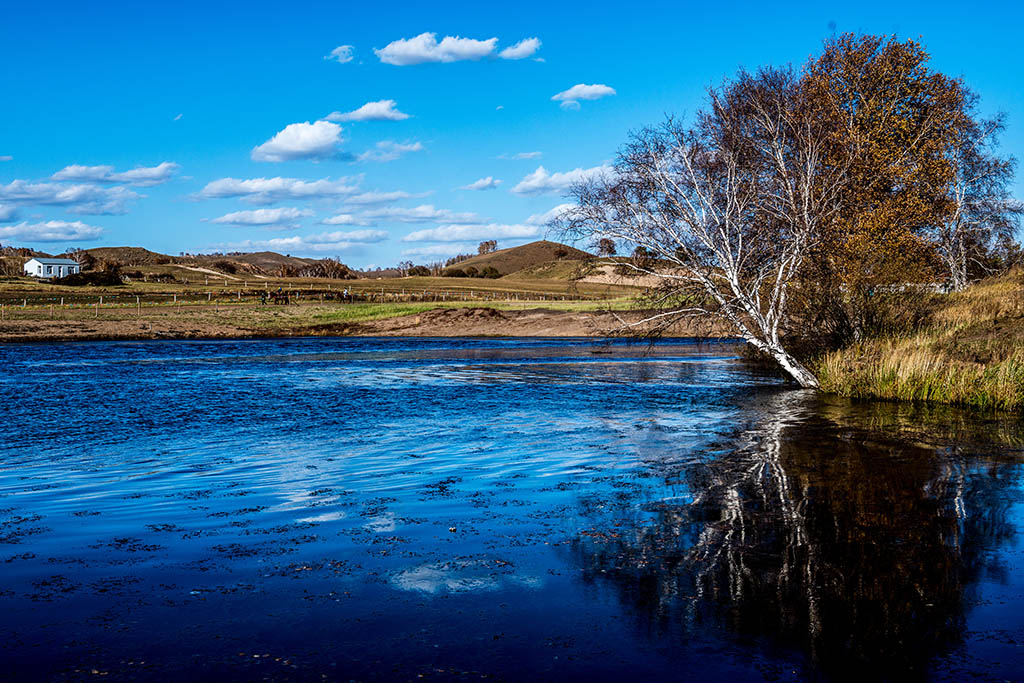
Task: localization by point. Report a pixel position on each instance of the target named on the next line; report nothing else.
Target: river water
(512, 509)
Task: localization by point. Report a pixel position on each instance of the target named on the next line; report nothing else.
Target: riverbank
(970, 352)
(453, 319)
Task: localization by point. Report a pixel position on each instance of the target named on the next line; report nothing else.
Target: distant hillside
(265, 261)
(13, 258)
(513, 260)
(261, 262)
(129, 256)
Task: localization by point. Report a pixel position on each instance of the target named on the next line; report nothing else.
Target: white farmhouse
(51, 267)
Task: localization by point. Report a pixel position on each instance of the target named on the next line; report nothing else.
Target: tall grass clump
(971, 352)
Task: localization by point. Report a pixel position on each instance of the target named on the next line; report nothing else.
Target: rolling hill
(515, 259)
(262, 261)
(129, 256)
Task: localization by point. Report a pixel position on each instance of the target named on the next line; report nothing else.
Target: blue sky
(170, 115)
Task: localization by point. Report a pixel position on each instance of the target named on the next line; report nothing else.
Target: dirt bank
(439, 322)
(489, 322)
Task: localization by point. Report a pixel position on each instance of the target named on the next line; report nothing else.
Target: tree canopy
(796, 194)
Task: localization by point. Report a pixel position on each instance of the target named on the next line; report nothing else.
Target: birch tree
(982, 213)
(727, 209)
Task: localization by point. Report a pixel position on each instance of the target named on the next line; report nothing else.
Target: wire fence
(10, 304)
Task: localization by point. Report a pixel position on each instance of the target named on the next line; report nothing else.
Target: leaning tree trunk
(804, 377)
(794, 368)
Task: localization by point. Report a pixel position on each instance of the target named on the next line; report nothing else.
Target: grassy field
(218, 306)
(168, 283)
(971, 352)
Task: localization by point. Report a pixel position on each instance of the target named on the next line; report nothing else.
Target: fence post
(138, 305)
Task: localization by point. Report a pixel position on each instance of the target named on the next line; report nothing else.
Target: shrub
(490, 272)
(97, 278)
(454, 272)
(225, 266)
(419, 271)
(471, 271)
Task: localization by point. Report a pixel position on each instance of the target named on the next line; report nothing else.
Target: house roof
(54, 261)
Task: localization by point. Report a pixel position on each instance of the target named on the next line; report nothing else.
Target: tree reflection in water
(828, 529)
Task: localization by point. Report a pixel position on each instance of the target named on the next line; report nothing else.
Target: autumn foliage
(803, 203)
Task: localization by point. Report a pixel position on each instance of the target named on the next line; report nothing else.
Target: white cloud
(345, 219)
(570, 98)
(51, 231)
(263, 216)
(6, 157)
(548, 216)
(521, 155)
(76, 172)
(8, 213)
(305, 140)
(365, 236)
(84, 198)
(389, 150)
(375, 197)
(270, 190)
(454, 233)
(141, 176)
(178, 117)
(323, 242)
(424, 213)
(524, 48)
(542, 182)
(341, 54)
(425, 48)
(488, 183)
(381, 110)
(440, 250)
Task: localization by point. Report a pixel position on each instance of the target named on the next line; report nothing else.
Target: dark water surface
(515, 509)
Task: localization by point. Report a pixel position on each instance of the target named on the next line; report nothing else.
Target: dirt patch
(208, 271)
(605, 275)
(489, 322)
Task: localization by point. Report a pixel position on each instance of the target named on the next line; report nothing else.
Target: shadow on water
(855, 534)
